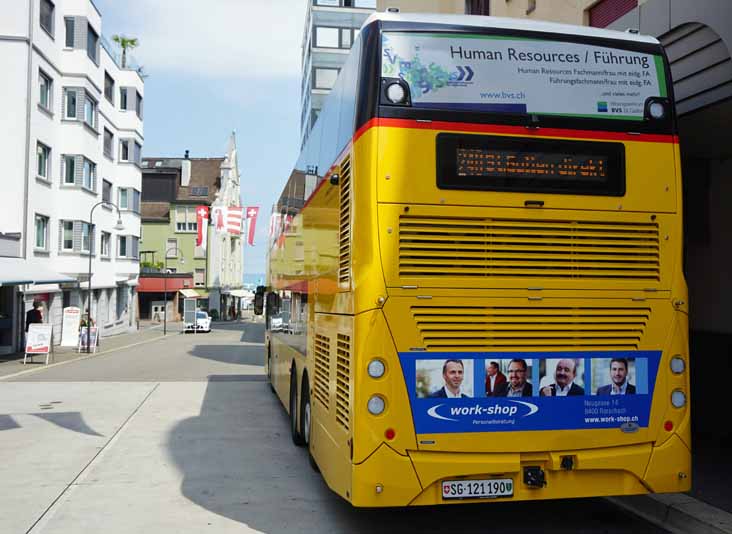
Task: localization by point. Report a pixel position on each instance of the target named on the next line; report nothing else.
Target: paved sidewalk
(13, 364)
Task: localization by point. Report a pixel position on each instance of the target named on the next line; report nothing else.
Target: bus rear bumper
(387, 478)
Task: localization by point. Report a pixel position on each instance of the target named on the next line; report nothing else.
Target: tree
(125, 43)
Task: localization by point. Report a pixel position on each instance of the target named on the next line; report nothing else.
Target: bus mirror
(259, 301)
(334, 179)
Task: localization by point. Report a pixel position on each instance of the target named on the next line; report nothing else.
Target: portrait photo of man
(565, 374)
(453, 374)
(516, 385)
(619, 384)
(494, 378)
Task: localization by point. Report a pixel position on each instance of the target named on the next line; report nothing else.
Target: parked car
(203, 323)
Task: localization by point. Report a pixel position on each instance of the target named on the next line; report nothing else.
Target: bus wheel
(306, 420)
(294, 430)
(269, 369)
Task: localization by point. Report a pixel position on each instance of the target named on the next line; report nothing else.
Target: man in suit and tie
(452, 373)
(516, 386)
(619, 377)
(564, 375)
(494, 378)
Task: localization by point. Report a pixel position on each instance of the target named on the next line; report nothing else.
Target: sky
(217, 66)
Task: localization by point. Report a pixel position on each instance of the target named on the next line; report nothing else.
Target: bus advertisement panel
(454, 392)
(495, 73)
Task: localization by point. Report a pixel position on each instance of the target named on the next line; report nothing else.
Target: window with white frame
(123, 97)
(326, 37)
(199, 278)
(124, 150)
(45, 86)
(325, 78)
(107, 190)
(41, 232)
(109, 87)
(171, 248)
(122, 246)
(92, 40)
(137, 154)
(108, 142)
(44, 160)
(67, 235)
(86, 237)
(124, 198)
(69, 170)
(89, 175)
(69, 24)
(47, 15)
(138, 103)
(185, 219)
(90, 111)
(104, 248)
(70, 104)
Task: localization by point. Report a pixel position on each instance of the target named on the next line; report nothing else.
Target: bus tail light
(395, 92)
(390, 434)
(668, 426)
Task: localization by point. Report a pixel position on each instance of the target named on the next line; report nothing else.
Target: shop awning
(189, 293)
(18, 271)
(241, 293)
(202, 293)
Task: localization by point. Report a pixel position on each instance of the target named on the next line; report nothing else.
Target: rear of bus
(517, 202)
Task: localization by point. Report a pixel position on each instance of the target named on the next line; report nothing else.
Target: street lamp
(119, 226)
(165, 287)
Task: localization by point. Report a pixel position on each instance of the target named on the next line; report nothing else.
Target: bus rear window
(520, 75)
(496, 163)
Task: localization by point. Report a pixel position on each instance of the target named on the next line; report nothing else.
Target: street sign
(70, 327)
(38, 340)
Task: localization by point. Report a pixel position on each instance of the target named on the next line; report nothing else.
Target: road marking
(49, 512)
(81, 358)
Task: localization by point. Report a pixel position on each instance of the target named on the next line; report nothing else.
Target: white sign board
(520, 75)
(93, 338)
(70, 327)
(38, 340)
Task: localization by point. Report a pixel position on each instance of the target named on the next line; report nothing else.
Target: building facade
(73, 138)
(331, 26)
(173, 189)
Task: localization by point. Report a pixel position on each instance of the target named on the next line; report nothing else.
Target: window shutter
(81, 26)
(60, 235)
(124, 102)
(78, 170)
(135, 247)
(94, 178)
(77, 236)
(63, 104)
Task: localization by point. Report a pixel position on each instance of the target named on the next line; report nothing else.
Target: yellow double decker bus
(475, 287)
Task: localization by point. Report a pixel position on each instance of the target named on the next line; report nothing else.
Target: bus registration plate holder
(489, 488)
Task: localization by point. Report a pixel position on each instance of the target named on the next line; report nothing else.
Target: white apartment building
(72, 138)
(331, 26)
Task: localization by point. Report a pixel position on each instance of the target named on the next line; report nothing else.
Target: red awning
(158, 284)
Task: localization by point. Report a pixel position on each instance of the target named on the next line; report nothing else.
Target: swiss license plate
(489, 488)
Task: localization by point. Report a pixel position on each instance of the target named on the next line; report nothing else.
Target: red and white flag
(202, 226)
(234, 219)
(252, 212)
(218, 218)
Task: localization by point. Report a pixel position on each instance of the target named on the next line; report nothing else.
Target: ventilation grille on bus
(322, 370)
(344, 227)
(524, 328)
(481, 247)
(343, 380)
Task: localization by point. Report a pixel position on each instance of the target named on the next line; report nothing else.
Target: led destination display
(504, 163)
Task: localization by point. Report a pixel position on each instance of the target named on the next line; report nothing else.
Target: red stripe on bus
(514, 130)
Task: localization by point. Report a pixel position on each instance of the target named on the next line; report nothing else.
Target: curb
(677, 513)
(80, 358)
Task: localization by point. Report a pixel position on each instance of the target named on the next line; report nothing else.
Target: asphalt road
(183, 435)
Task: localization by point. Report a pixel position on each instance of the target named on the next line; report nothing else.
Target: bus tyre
(269, 369)
(306, 420)
(294, 427)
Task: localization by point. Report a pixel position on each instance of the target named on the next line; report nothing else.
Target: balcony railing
(116, 54)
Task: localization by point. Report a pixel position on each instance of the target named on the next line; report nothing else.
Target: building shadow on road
(234, 354)
(237, 460)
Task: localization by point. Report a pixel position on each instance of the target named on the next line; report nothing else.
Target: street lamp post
(119, 226)
(165, 287)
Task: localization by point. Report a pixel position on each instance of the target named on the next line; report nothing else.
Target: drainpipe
(29, 96)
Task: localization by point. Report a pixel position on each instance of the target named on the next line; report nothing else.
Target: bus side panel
(330, 373)
(283, 357)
